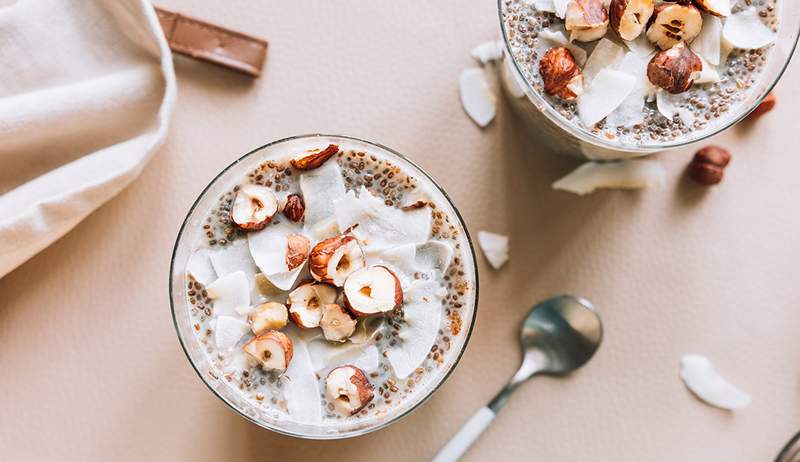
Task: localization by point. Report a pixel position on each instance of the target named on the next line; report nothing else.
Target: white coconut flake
(606, 55)
(706, 383)
(641, 46)
(607, 91)
(626, 174)
(301, 387)
(669, 105)
(556, 38)
(746, 30)
(320, 187)
(488, 51)
(476, 97)
(231, 294)
(494, 247)
(548, 6)
(709, 42)
(236, 257)
(268, 248)
(328, 355)
(631, 111)
(709, 74)
(238, 361)
(228, 330)
(560, 7)
(199, 266)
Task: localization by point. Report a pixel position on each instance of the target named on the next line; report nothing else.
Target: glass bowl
(264, 416)
(562, 136)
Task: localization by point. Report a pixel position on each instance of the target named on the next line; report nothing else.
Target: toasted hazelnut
(272, 349)
(336, 323)
(315, 159)
(348, 389)
(709, 164)
(721, 8)
(674, 69)
(335, 258)
(628, 18)
(295, 208)
(297, 250)
(672, 23)
(268, 316)
(586, 20)
(766, 105)
(371, 290)
(306, 301)
(561, 74)
(253, 207)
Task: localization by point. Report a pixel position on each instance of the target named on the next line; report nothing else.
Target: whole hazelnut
(561, 74)
(294, 208)
(766, 105)
(673, 69)
(708, 165)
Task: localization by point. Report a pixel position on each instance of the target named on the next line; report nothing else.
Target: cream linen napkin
(86, 91)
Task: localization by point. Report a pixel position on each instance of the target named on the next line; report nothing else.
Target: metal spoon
(558, 335)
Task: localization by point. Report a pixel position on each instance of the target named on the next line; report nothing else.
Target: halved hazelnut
(273, 350)
(348, 389)
(295, 208)
(721, 8)
(335, 258)
(628, 18)
(336, 323)
(306, 301)
(586, 20)
(315, 159)
(561, 74)
(674, 69)
(268, 316)
(253, 207)
(297, 250)
(672, 23)
(372, 290)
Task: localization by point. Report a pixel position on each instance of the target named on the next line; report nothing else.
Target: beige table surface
(92, 370)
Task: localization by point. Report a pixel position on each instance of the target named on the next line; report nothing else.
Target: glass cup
(551, 129)
(790, 452)
(198, 357)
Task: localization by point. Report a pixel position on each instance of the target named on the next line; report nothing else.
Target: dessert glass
(235, 173)
(552, 130)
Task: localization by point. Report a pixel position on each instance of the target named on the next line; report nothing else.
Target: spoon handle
(462, 440)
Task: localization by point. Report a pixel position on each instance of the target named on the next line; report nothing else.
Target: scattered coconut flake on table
(488, 51)
(301, 387)
(708, 43)
(626, 174)
(231, 294)
(606, 92)
(606, 55)
(228, 330)
(706, 383)
(199, 266)
(476, 97)
(494, 247)
(549, 39)
(746, 30)
(320, 188)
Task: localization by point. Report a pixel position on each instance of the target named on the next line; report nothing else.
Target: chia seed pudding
(275, 330)
(665, 116)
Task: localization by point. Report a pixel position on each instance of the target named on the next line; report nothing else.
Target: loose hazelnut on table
(673, 23)
(767, 105)
(336, 323)
(628, 18)
(334, 259)
(306, 301)
(348, 389)
(586, 20)
(560, 73)
(315, 159)
(372, 290)
(295, 208)
(253, 207)
(673, 70)
(273, 350)
(709, 164)
(268, 316)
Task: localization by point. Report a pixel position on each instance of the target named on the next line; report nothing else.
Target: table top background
(92, 368)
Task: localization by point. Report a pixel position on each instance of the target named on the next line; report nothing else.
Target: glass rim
(584, 135)
(360, 432)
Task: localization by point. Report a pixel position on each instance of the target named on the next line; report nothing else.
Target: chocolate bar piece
(217, 45)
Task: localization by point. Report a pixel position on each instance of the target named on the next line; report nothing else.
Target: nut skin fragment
(337, 324)
(268, 316)
(708, 165)
(672, 23)
(295, 208)
(398, 296)
(359, 380)
(628, 18)
(315, 160)
(561, 74)
(255, 347)
(767, 105)
(321, 255)
(297, 250)
(415, 205)
(672, 70)
(587, 20)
